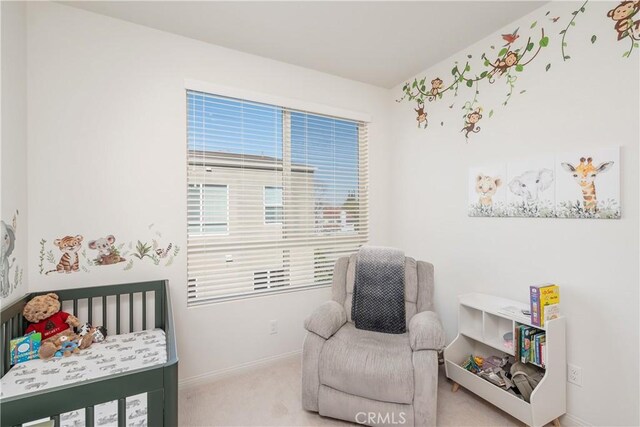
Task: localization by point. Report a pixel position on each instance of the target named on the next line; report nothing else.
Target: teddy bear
(43, 311)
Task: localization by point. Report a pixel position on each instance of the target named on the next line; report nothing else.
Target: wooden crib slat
(144, 310)
(4, 353)
(75, 307)
(117, 313)
(130, 312)
(155, 406)
(20, 325)
(122, 412)
(104, 311)
(56, 420)
(88, 416)
(90, 307)
(16, 325)
(7, 340)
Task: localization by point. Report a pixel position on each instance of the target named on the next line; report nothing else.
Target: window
(207, 209)
(273, 205)
(275, 196)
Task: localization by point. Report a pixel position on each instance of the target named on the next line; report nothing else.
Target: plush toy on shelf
(43, 311)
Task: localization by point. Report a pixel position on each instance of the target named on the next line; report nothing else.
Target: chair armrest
(326, 319)
(425, 332)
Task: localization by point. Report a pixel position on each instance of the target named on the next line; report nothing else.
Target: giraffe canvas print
(588, 184)
(570, 185)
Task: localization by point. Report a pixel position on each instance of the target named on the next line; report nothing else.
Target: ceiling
(381, 43)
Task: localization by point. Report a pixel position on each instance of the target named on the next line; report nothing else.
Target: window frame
(288, 106)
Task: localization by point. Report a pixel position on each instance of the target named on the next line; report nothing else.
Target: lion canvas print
(487, 194)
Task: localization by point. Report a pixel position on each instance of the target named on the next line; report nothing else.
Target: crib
(132, 308)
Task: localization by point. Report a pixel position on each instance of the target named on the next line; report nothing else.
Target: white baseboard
(575, 421)
(234, 370)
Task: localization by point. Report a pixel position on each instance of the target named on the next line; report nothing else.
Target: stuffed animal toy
(66, 346)
(98, 333)
(43, 311)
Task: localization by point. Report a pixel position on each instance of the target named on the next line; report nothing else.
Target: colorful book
(534, 301)
(25, 348)
(541, 297)
(541, 344)
(526, 344)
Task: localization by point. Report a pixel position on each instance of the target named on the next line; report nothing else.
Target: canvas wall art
(568, 185)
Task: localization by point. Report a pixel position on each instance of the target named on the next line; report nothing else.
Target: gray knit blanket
(378, 292)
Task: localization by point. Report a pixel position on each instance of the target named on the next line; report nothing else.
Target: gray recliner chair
(370, 377)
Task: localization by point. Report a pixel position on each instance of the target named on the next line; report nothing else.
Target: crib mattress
(117, 354)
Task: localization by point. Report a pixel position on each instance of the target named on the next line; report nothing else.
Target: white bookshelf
(481, 326)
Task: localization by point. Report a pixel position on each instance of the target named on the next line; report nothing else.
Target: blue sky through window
(329, 145)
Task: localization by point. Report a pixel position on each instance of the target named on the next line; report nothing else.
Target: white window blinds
(274, 197)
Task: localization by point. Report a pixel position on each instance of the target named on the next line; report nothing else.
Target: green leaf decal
(502, 52)
(534, 24)
(483, 74)
(469, 83)
(593, 39)
(544, 42)
(519, 68)
(467, 68)
(547, 67)
(567, 57)
(530, 46)
(490, 113)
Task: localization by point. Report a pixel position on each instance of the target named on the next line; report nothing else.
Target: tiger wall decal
(69, 261)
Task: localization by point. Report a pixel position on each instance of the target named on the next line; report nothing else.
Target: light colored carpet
(270, 396)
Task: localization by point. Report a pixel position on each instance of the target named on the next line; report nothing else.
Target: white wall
(590, 101)
(107, 155)
(13, 196)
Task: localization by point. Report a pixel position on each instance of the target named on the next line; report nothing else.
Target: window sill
(256, 294)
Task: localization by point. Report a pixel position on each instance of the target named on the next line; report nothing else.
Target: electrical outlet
(574, 375)
(273, 327)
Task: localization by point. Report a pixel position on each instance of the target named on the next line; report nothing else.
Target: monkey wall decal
(502, 65)
(470, 125)
(422, 116)
(436, 85)
(623, 16)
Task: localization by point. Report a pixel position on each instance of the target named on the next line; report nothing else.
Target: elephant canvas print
(531, 188)
(588, 184)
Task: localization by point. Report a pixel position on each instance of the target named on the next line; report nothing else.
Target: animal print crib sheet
(117, 354)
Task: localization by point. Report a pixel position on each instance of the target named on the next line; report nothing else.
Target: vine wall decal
(512, 59)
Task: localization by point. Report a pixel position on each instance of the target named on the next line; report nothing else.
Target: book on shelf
(541, 297)
(529, 345)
